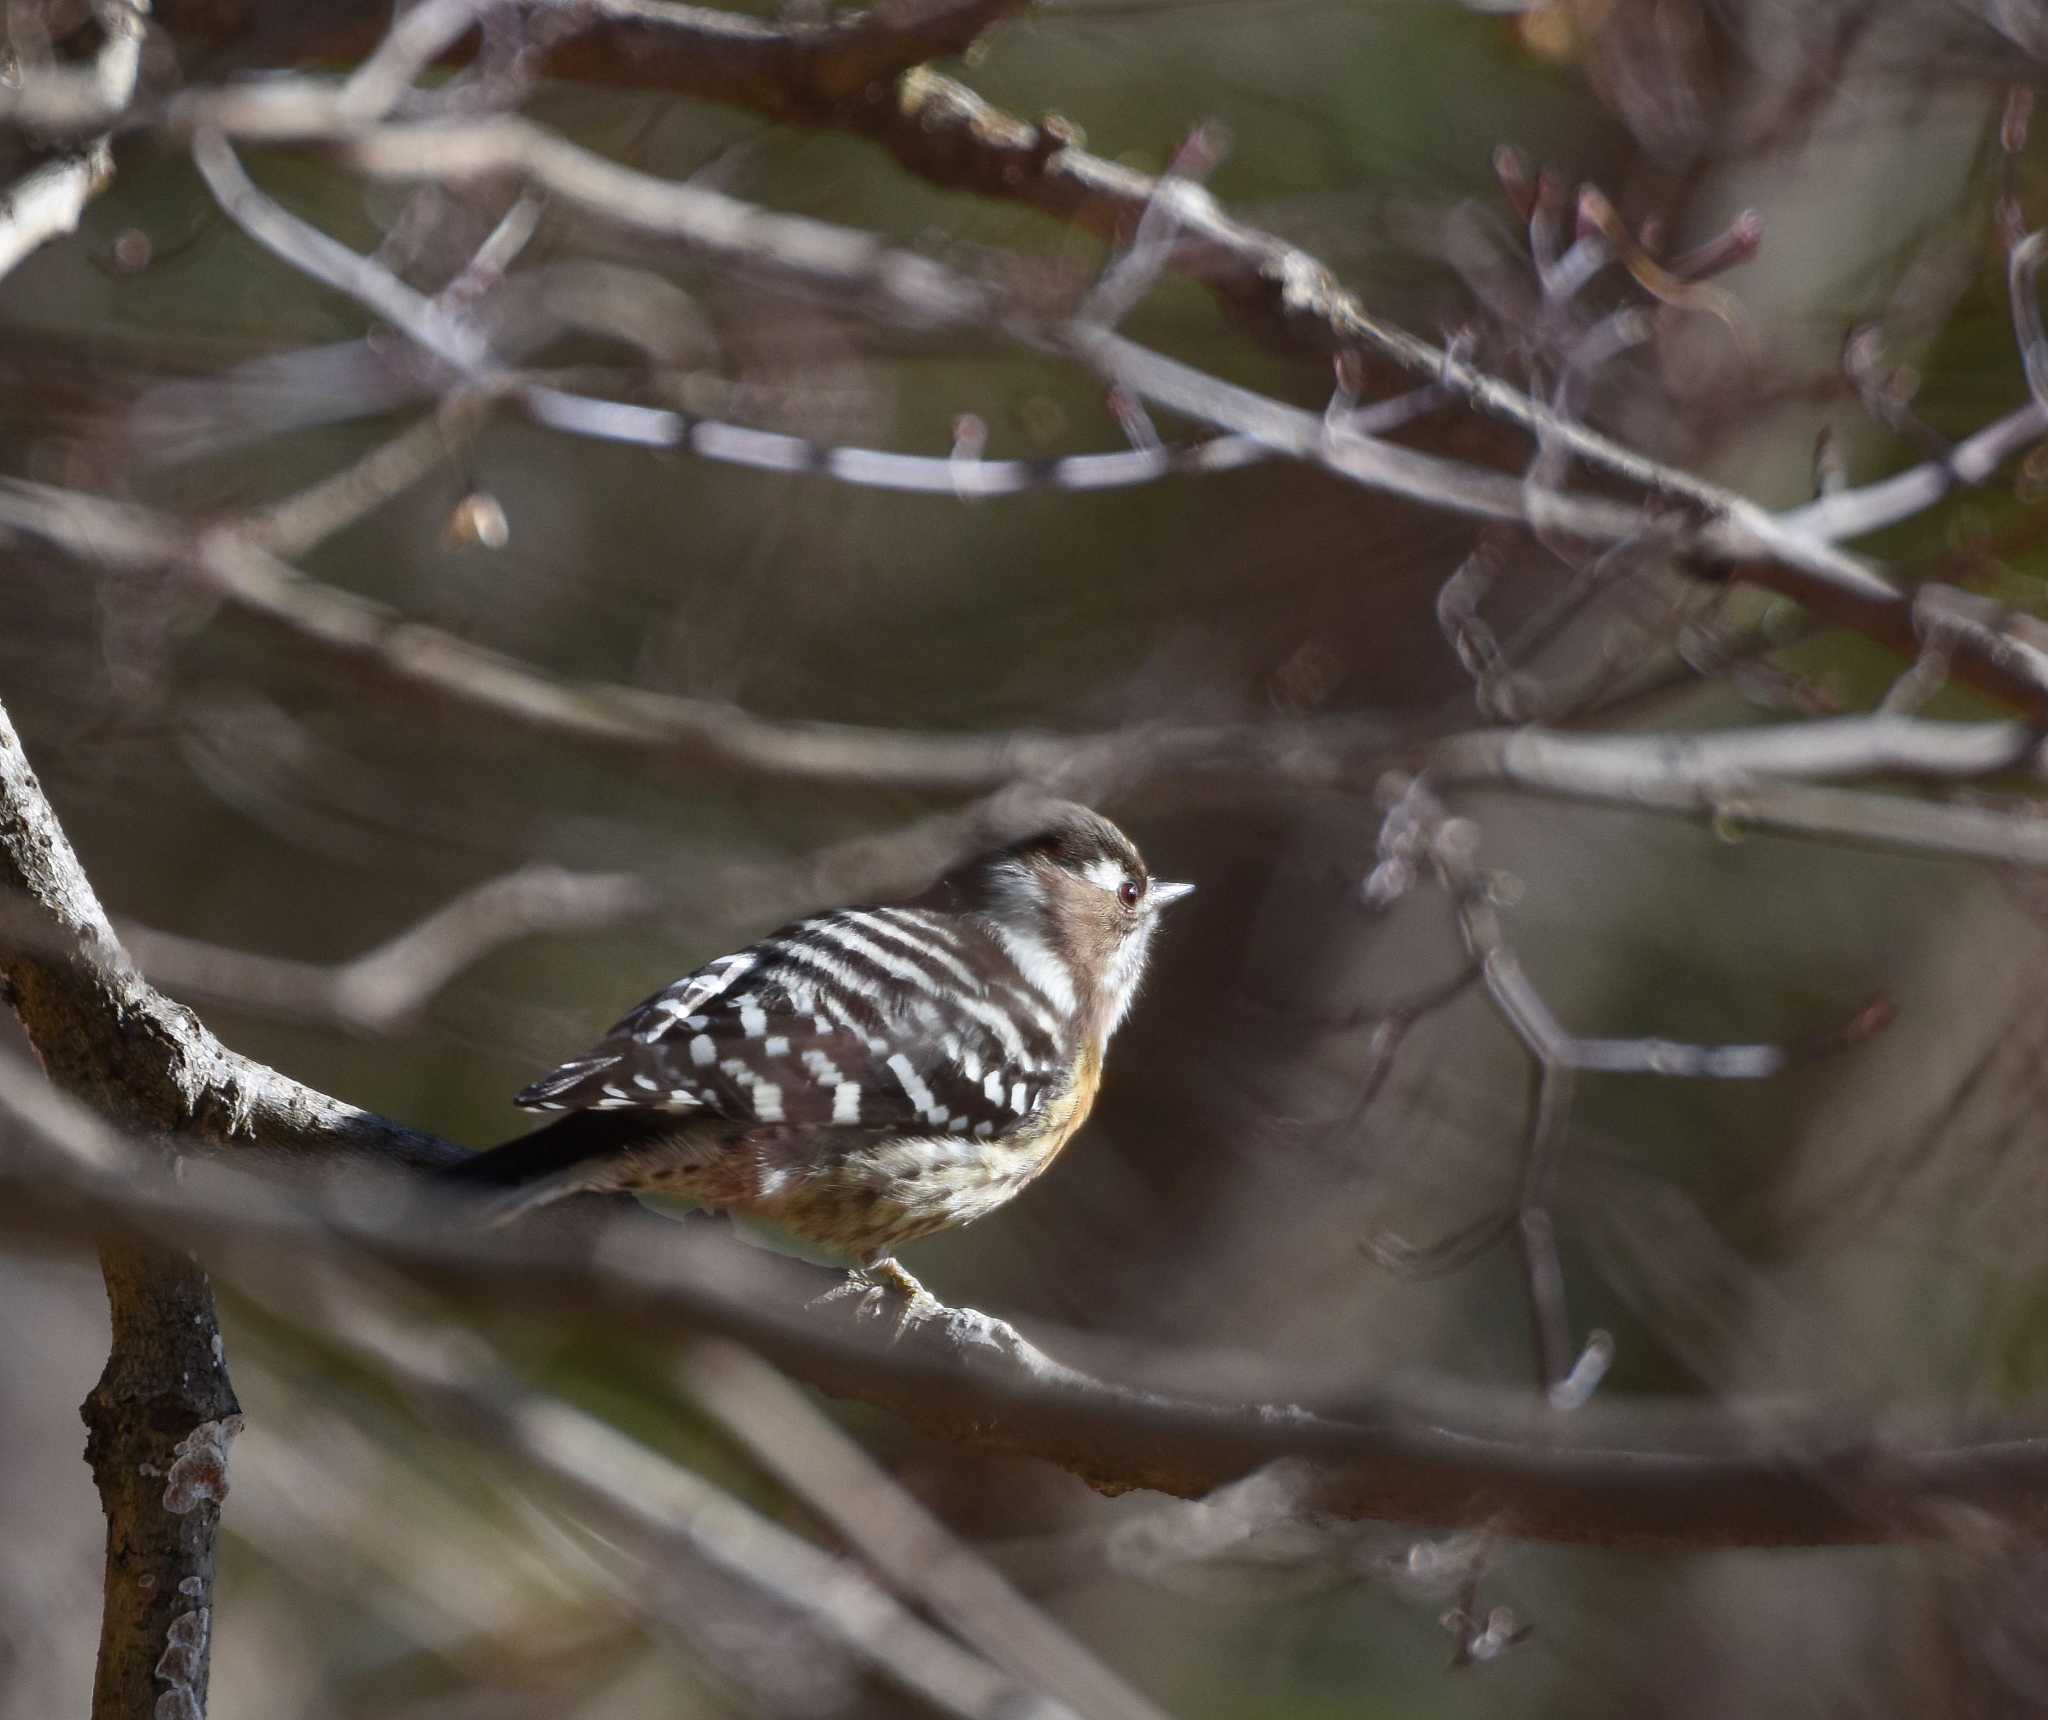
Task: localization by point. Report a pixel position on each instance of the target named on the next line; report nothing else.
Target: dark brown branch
(1609, 1474)
(1694, 1478)
(807, 73)
(159, 1424)
(139, 1059)
(163, 1412)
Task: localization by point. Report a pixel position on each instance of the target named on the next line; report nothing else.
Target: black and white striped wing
(885, 1019)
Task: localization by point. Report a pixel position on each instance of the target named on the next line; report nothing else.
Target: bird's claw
(873, 1289)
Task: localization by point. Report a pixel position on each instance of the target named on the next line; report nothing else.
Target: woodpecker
(872, 1075)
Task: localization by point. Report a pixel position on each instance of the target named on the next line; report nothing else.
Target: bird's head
(1076, 909)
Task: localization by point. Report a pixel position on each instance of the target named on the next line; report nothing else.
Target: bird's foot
(883, 1290)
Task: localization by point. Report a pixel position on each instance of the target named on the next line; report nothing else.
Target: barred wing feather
(878, 1019)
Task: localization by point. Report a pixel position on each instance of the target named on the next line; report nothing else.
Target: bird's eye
(1129, 891)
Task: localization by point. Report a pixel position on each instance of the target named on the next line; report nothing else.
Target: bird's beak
(1165, 893)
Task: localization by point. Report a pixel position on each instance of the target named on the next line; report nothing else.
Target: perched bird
(872, 1075)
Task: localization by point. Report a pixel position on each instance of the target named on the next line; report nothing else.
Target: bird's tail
(575, 1153)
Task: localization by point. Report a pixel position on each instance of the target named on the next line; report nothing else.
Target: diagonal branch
(1728, 1474)
(1711, 530)
(385, 988)
(102, 1033)
(1697, 1477)
(367, 635)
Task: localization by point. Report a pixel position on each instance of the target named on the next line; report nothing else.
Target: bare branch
(1613, 1475)
(939, 129)
(48, 202)
(67, 101)
(1417, 832)
(668, 1512)
(1712, 527)
(698, 732)
(1757, 778)
(159, 1424)
(908, 1545)
(300, 523)
(135, 1056)
(384, 989)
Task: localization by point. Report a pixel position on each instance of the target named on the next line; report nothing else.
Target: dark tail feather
(546, 1164)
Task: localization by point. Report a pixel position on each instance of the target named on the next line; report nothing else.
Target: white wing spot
(912, 1083)
(702, 1051)
(846, 1102)
(992, 1087)
(753, 1019)
(1017, 1098)
(776, 1047)
(768, 1101)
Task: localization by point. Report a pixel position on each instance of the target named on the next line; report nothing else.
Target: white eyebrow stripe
(1105, 873)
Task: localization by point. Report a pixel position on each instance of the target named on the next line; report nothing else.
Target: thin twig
(909, 1546)
(670, 1512)
(385, 988)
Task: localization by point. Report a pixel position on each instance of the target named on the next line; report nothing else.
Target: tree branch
(1761, 778)
(697, 732)
(1728, 1474)
(1695, 523)
(102, 1033)
(668, 1514)
(159, 1424)
(384, 988)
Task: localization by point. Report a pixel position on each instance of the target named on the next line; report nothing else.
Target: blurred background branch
(500, 499)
